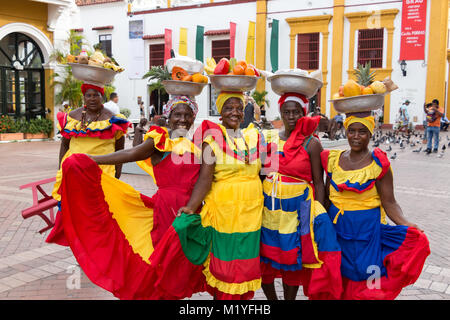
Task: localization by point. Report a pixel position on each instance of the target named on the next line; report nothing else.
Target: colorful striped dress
(223, 240)
(378, 259)
(298, 242)
(112, 229)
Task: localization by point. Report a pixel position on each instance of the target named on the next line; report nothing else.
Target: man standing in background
(434, 114)
(112, 103)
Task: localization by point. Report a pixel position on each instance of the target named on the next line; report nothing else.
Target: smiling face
(181, 117)
(290, 111)
(358, 136)
(93, 99)
(232, 113)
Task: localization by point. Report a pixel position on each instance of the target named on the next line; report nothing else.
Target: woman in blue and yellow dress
(298, 242)
(91, 129)
(378, 259)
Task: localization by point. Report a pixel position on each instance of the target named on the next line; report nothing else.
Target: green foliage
(159, 73)
(126, 112)
(363, 75)
(260, 98)
(38, 126)
(109, 88)
(67, 87)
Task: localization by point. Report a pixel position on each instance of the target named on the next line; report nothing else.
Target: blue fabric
(365, 242)
(433, 132)
(280, 266)
(289, 205)
(324, 234)
(283, 241)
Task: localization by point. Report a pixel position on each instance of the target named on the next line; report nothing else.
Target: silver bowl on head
(224, 82)
(362, 103)
(92, 74)
(183, 88)
(283, 83)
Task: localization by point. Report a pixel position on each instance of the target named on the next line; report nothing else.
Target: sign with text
(414, 19)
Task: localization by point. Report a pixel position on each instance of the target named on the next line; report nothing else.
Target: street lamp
(403, 67)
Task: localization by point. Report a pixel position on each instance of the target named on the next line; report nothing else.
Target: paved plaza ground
(32, 269)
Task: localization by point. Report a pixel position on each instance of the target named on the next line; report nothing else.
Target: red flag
(232, 38)
(413, 31)
(167, 44)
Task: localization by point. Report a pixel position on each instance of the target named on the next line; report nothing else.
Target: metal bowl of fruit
(185, 88)
(361, 103)
(92, 74)
(233, 82)
(282, 83)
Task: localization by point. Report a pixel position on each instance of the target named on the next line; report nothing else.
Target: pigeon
(394, 156)
(401, 145)
(443, 147)
(389, 149)
(413, 144)
(418, 150)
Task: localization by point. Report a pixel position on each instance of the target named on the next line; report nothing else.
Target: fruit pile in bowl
(186, 69)
(97, 59)
(365, 94)
(231, 67)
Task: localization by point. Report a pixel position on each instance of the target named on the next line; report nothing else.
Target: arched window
(21, 77)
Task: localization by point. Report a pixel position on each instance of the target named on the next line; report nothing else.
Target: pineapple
(363, 75)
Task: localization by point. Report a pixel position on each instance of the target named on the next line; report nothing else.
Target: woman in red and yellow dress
(219, 247)
(113, 229)
(93, 130)
(298, 242)
(378, 259)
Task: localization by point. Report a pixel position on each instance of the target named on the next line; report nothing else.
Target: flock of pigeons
(404, 141)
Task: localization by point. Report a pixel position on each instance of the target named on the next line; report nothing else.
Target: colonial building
(27, 33)
(405, 40)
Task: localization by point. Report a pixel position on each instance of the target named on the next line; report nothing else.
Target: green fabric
(199, 43)
(194, 238)
(274, 45)
(235, 246)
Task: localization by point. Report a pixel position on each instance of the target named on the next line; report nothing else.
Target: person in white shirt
(112, 103)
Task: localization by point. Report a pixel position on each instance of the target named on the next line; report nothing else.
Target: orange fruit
(242, 63)
(187, 78)
(250, 72)
(238, 70)
(341, 91)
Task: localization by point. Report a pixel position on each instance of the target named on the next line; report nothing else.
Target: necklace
(86, 122)
(362, 158)
(246, 153)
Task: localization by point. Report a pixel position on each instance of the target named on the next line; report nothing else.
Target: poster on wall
(136, 65)
(414, 19)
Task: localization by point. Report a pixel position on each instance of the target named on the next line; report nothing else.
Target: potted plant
(38, 129)
(8, 129)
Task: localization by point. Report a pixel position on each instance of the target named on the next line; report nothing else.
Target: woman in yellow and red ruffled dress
(93, 130)
(113, 229)
(378, 259)
(224, 238)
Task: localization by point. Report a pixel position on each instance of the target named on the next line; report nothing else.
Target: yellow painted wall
(337, 49)
(437, 52)
(35, 14)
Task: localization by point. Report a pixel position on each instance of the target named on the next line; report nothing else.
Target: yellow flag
(250, 51)
(183, 42)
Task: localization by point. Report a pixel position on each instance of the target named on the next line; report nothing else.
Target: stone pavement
(32, 269)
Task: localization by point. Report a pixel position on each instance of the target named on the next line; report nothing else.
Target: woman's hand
(186, 210)
(413, 225)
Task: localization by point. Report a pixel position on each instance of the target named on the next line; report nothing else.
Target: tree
(260, 98)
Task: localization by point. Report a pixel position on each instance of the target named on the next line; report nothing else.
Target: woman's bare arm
(65, 143)
(314, 149)
(140, 152)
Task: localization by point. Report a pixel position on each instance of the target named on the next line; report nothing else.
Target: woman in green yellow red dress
(113, 229)
(378, 259)
(298, 242)
(93, 130)
(223, 239)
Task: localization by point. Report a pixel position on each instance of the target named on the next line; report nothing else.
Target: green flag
(274, 45)
(199, 43)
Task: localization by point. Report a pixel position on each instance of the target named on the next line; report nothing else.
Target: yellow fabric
(177, 145)
(224, 96)
(91, 146)
(235, 202)
(73, 124)
(349, 200)
(182, 49)
(369, 122)
(250, 49)
(229, 288)
(133, 217)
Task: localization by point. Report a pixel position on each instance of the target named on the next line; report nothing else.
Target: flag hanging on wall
(199, 43)
(167, 44)
(274, 45)
(182, 50)
(232, 39)
(250, 50)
